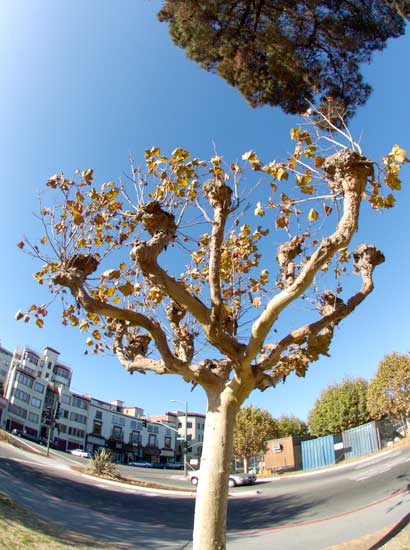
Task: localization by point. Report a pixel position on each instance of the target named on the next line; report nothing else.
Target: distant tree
(389, 390)
(290, 425)
(222, 288)
(252, 429)
(287, 53)
(340, 407)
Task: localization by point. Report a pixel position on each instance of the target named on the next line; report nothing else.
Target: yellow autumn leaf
(39, 323)
(96, 334)
(126, 289)
(398, 153)
(111, 274)
(19, 315)
(259, 211)
(43, 240)
(313, 215)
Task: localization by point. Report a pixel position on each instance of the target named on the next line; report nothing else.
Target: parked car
(174, 465)
(141, 464)
(235, 479)
(31, 437)
(80, 452)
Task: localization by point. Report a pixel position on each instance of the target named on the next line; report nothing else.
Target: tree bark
(212, 492)
(245, 464)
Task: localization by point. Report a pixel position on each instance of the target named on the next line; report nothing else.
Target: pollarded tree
(290, 425)
(287, 53)
(252, 429)
(223, 286)
(340, 407)
(389, 390)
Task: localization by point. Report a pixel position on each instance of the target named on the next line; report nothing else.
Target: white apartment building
(37, 383)
(130, 437)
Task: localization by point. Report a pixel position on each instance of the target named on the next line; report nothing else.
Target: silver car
(235, 479)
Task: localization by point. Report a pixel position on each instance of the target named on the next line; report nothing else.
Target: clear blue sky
(85, 83)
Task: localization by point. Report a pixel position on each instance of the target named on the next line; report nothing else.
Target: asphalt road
(309, 511)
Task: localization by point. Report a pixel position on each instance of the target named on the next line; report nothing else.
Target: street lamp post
(185, 433)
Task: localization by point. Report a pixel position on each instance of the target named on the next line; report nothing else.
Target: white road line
(373, 472)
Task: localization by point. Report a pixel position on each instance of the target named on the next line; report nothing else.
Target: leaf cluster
(389, 390)
(340, 407)
(252, 429)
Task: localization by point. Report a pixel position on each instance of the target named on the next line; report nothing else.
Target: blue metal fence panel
(360, 441)
(318, 452)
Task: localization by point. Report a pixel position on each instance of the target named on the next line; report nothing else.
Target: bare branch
(347, 172)
(219, 196)
(317, 336)
(162, 228)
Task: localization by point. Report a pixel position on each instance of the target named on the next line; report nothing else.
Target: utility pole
(185, 434)
(53, 416)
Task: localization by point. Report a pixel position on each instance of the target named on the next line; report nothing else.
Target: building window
(21, 395)
(25, 380)
(62, 372)
(62, 428)
(152, 440)
(98, 414)
(31, 358)
(80, 418)
(49, 365)
(66, 399)
(135, 437)
(167, 442)
(97, 427)
(116, 432)
(76, 432)
(120, 420)
(64, 413)
(39, 387)
(80, 403)
(32, 417)
(153, 429)
(189, 425)
(18, 411)
(36, 402)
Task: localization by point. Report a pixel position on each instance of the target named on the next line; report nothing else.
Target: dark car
(30, 436)
(174, 465)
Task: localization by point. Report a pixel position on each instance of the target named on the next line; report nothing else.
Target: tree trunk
(212, 493)
(245, 464)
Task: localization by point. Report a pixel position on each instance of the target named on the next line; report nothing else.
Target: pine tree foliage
(286, 53)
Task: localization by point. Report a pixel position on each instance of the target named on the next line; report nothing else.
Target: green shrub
(102, 464)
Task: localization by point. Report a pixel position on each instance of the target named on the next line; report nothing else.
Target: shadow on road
(392, 533)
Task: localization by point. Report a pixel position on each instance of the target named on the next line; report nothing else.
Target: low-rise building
(195, 427)
(284, 454)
